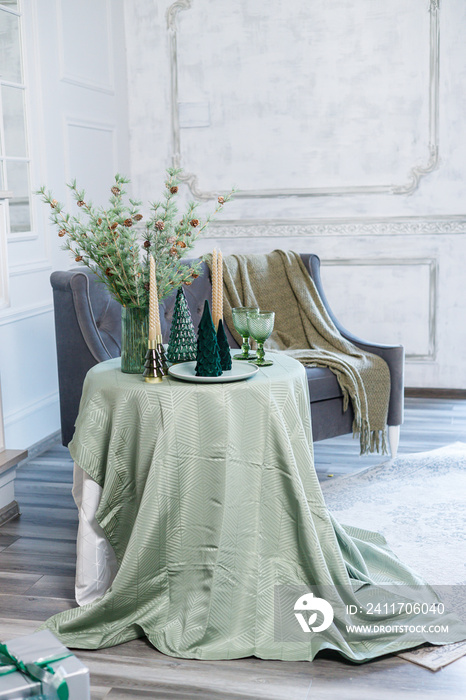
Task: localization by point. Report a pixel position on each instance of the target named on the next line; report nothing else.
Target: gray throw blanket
(279, 282)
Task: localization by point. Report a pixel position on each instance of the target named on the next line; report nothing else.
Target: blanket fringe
(370, 440)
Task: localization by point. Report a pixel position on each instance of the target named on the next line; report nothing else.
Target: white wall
(343, 126)
(343, 103)
(77, 118)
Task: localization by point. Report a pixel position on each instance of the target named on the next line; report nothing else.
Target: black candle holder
(155, 366)
(161, 351)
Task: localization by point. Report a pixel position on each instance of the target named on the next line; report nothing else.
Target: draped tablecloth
(211, 504)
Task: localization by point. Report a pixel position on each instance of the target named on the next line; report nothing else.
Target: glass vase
(134, 335)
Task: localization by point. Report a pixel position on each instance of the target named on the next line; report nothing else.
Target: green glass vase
(134, 334)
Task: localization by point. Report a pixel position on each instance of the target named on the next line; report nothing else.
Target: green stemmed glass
(240, 322)
(260, 325)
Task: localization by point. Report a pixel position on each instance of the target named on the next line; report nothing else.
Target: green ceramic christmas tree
(182, 344)
(208, 354)
(223, 346)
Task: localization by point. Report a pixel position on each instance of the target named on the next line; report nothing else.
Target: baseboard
(43, 445)
(9, 512)
(432, 393)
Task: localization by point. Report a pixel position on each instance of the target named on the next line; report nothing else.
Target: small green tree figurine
(223, 346)
(182, 344)
(208, 355)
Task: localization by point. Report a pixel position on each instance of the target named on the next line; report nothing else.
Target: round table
(96, 562)
(213, 524)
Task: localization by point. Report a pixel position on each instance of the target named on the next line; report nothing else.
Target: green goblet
(240, 322)
(260, 325)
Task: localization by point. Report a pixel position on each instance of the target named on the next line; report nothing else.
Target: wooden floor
(37, 561)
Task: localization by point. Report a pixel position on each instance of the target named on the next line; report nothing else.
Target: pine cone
(115, 190)
(146, 286)
(221, 200)
(194, 275)
(181, 244)
(174, 189)
(62, 232)
(108, 272)
(99, 221)
(171, 240)
(128, 222)
(194, 222)
(146, 244)
(81, 203)
(188, 282)
(137, 217)
(113, 226)
(160, 225)
(173, 252)
(78, 258)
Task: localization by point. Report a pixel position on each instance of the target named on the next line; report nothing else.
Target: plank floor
(37, 563)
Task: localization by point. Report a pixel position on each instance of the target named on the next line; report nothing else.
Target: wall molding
(93, 125)
(25, 313)
(4, 276)
(348, 226)
(432, 264)
(90, 124)
(22, 237)
(30, 408)
(80, 81)
(30, 267)
(415, 173)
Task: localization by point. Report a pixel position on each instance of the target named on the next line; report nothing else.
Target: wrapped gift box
(35, 649)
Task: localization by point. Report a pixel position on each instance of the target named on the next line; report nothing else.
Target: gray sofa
(88, 331)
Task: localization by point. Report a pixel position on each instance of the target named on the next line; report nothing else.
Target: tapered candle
(214, 286)
(219, 286)
(154, 316)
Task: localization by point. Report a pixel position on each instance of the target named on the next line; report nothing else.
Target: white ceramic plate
(238, 371)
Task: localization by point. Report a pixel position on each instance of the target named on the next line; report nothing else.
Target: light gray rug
(418, 502)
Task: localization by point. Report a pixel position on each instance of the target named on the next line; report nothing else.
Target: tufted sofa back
(196, 294)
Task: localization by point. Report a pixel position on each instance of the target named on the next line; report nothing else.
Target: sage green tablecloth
(212, 505)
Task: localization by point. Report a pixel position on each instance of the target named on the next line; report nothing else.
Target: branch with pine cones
(115, 245)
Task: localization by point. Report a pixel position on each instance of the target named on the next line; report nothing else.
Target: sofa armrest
(392, 354)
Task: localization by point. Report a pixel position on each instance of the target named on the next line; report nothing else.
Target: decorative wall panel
(386, 301)
(90, 157)
(346, 102)
(315, 99)
(85, 43)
